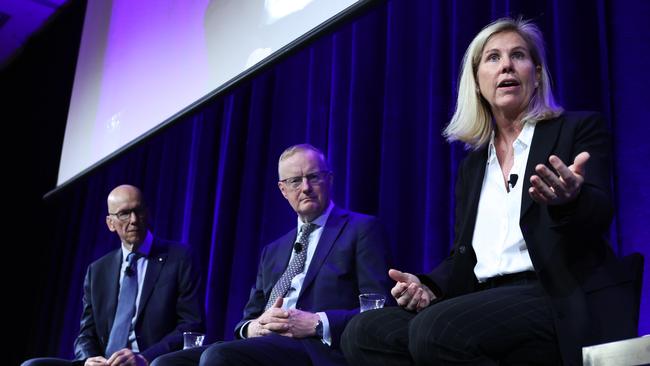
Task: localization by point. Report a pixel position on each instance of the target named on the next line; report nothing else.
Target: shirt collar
(525, 137)
(144, 249)
(492, 152)
(320, 220)
(522, 142)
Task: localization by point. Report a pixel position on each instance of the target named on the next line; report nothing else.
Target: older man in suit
(159, 291)
(308, 281)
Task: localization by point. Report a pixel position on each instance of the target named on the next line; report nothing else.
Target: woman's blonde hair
(472, 119)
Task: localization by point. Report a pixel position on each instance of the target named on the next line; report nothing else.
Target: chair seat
(634, 351)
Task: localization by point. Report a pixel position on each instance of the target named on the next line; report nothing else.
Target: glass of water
(371, 301)
(192, 339)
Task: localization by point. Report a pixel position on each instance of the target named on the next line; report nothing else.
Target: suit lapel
(331, 231)
(111, 284)
(474, 175)
(155, 262)
(541, 147)
(280, 260)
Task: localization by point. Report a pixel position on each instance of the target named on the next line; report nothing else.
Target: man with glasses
(308, 281)
(138, 299)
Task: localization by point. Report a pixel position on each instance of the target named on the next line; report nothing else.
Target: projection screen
(143, 62)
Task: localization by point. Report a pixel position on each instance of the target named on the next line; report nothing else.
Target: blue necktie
(125, 307)
(295, 267)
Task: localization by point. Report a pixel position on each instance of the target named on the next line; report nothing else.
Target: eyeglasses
(125, 215)
(316, 178)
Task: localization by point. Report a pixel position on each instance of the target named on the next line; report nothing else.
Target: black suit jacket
(566, 243)
(170, 303)
(351, 258)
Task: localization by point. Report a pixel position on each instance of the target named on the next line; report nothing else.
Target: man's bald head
(127, 215)
(125, 192)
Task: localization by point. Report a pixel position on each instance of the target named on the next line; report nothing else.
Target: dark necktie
(296, 266)
(125, 307)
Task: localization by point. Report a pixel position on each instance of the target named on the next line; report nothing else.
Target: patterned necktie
(296, 266)
(125, 307)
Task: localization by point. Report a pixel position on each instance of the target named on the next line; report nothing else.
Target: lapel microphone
(513, 180)
(297, 247)
(129, 271)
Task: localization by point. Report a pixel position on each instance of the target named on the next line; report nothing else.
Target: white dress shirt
(141, 264)
(291, 297)
(498, 241)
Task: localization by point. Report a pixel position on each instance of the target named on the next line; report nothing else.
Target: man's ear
(283, 189)
(109, 223)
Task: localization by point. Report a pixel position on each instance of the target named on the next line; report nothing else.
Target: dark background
(373, 92)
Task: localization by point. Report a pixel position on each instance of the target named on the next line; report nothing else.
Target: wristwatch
(319, 329)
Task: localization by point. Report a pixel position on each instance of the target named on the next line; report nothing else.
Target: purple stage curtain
(374, 94)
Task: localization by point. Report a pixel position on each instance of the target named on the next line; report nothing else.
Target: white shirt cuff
(241, 330)
(327, 336)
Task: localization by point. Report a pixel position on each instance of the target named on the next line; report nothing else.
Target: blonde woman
(533, 206)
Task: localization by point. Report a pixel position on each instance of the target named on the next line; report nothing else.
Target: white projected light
(277, 9)
(141, 62)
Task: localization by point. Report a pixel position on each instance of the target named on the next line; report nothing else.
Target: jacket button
(462, 249)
